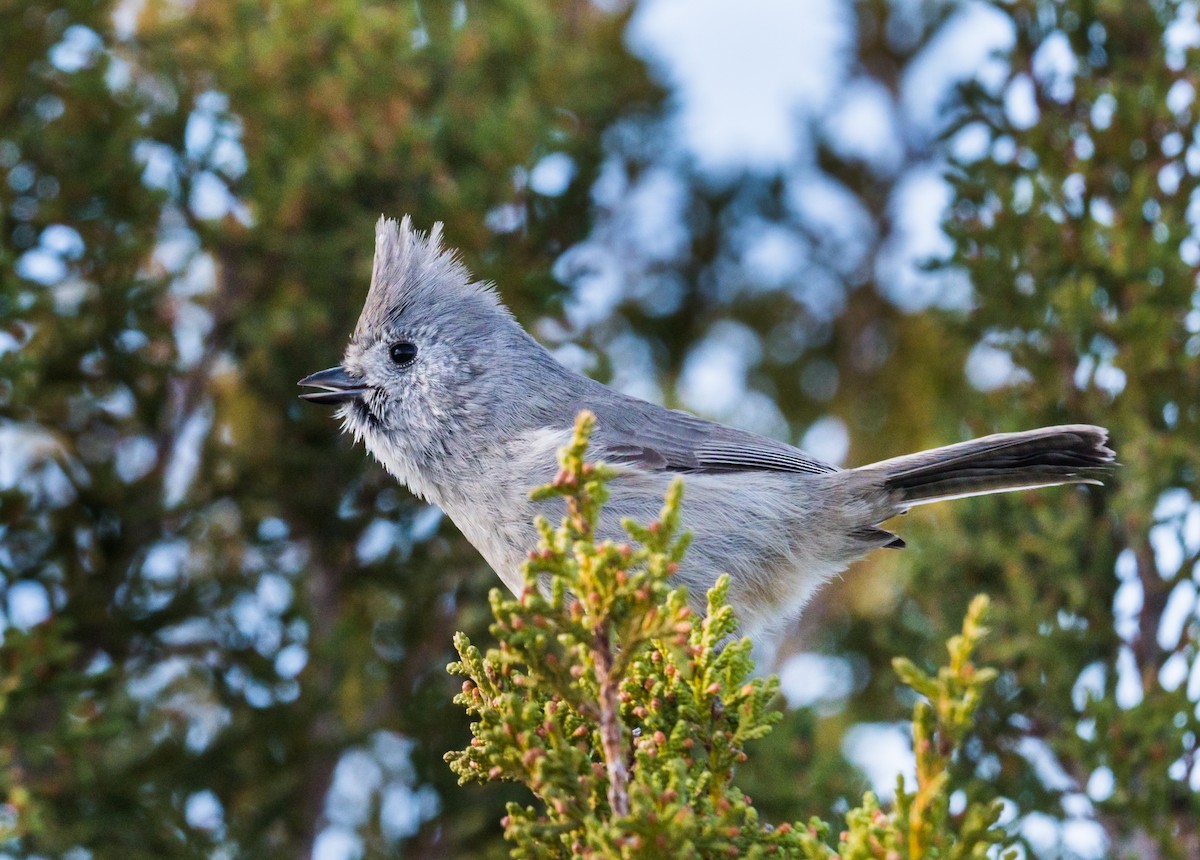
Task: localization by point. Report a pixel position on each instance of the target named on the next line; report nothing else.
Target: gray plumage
(475, 419)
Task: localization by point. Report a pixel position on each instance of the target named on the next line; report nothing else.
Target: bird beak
(336, 386)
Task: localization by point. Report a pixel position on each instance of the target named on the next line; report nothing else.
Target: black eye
(402, 353)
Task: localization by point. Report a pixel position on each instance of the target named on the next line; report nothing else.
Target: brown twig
(610, 725)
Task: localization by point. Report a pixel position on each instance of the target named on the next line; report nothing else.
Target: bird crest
(412, 268)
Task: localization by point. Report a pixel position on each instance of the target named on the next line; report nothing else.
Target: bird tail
(1067, 454)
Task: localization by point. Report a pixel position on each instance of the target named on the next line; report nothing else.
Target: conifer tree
(626, 716)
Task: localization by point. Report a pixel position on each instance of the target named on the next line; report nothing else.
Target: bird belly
(777, 535)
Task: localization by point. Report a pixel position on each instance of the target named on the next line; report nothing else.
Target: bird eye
(402, 353)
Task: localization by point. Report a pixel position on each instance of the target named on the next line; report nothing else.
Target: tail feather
(1067, 454)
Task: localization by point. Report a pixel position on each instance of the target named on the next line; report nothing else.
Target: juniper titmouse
(454, 398)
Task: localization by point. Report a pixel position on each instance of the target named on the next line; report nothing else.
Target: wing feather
(651, 438)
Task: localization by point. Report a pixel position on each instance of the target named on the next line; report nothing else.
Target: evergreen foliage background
(226, 631)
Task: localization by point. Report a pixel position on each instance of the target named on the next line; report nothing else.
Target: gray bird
(461, 405)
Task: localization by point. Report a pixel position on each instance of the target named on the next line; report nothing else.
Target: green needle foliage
(625, 715)
(941, 722)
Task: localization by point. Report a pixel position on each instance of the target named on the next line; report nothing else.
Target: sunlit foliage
(224, 629)
(626, 716)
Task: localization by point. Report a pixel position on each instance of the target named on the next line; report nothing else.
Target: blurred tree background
(897, 223)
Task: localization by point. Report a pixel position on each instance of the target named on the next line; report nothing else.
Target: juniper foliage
(626, 716)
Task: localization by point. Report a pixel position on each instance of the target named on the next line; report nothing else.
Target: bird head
(430, 362)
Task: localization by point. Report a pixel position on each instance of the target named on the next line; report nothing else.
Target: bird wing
(651, 438)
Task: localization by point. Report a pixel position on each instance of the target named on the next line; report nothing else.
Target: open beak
(336, 386)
